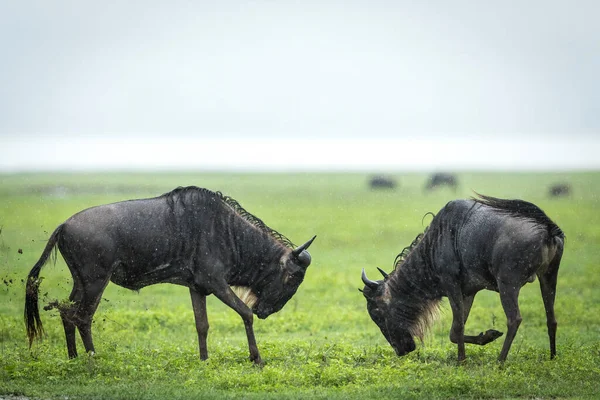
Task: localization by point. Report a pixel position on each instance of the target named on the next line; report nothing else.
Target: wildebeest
(191, 237)
(559, 190)
(482, 243)
(382, 182)
(441, 179)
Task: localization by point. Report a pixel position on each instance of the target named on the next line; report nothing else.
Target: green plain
(323, 343)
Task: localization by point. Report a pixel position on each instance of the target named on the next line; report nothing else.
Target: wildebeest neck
(245, 244)
(258, 247)
(413, 292)
(191, 196)
(257, 255)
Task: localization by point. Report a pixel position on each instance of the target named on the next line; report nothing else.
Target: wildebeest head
(283, 283)
(382, 307)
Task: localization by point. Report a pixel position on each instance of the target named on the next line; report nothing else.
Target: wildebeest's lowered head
(483, 243)
(191, 237)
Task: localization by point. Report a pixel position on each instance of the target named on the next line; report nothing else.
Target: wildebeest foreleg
(227, 296)
(483, 338)
(461, 307)
(509, 296)
(199, 305)
(457, 331)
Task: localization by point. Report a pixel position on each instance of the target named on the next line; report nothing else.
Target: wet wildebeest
(483, 243)
(191, 237)
(560, 190)
(441, 179)
(382, 182)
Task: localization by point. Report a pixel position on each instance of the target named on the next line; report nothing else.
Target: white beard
(245, 294)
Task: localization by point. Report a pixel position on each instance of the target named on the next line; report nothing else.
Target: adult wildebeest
(191, 237)
(559, 190)
(382, 182)
(441, 179)
(483, 243)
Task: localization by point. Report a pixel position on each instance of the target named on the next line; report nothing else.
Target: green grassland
(323, 343)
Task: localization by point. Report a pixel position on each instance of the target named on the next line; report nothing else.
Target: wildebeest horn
(368, 282)
(385, 275)
(296, 252)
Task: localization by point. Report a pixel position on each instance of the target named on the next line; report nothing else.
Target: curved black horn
(296, 252)
(385, 275)
(368, 282)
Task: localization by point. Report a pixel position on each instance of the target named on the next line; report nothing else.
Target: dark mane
(520, 209)
(191, 193)
(421, 309)
(257, 222)
(406, 251)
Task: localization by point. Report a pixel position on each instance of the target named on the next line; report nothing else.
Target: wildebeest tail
(32, 313)
(523, 209)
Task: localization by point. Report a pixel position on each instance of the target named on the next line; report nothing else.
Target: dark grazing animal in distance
(441, 179)
(191, 237)
(382, 182)
(559, 190)
(482, 243)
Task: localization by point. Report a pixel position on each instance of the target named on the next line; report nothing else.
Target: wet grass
(322, 344)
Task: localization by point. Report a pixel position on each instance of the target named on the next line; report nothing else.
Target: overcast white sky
(299, 84)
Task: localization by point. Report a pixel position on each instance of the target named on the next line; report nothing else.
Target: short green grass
(322, 344)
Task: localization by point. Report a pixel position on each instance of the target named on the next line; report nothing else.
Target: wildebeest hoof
(491, 335)
(258, 362)
(51, 305)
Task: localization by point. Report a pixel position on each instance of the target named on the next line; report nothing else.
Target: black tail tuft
(523, 209)
(32, 314)
(33, 323)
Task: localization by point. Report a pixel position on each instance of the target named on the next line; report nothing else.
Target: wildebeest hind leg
(509, 296)
(483, 338)
(92, 293)
(548, 288)
(199, 306)
(67, 315)
(227, 296)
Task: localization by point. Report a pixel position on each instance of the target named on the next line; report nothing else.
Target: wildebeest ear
(367, 293)
(304, 259)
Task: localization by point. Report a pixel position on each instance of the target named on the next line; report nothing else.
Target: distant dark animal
(483, 243)
(560, 190)
(441, 179)
(382, 182)
(191, 237)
